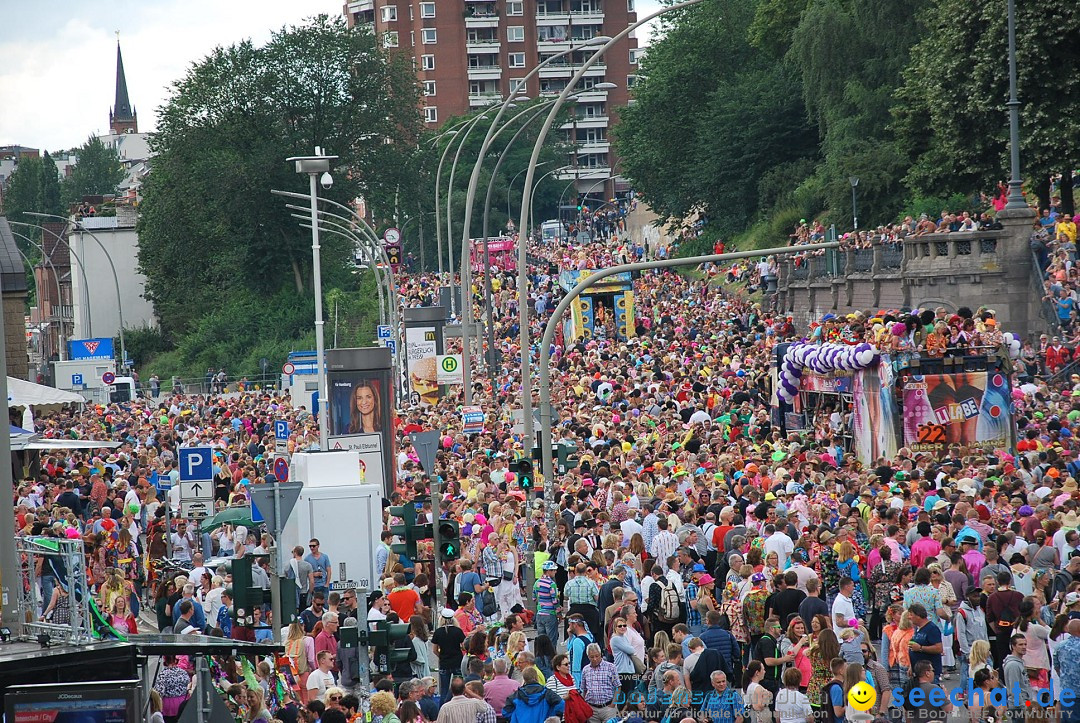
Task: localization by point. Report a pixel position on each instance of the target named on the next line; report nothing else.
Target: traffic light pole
(436, 552)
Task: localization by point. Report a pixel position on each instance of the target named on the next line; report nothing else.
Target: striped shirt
(693, 615)
(547, 595)
(599, 683)
(493, 567)
(581, 591)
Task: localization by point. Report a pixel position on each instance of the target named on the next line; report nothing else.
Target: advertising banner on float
(966, 408)
(874, 414)
(831, 384)
(362, 409)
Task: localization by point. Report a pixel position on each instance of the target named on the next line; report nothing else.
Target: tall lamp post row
(523, 279)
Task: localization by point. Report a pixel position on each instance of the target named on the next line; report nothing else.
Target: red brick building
(468, 53)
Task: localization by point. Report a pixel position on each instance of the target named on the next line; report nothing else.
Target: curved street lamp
(523, 280)
(116, 279)
(56, 279)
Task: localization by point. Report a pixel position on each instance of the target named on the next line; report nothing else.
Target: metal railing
(1038, 289)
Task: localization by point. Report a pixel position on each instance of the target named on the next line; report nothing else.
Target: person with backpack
(833, 702)
(666, 603)
(577, 645)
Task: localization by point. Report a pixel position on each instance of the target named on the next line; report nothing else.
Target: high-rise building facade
(471, 53)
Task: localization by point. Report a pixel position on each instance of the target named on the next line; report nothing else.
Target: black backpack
(828, 714)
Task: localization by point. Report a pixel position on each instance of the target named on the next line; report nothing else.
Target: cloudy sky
(57, 79)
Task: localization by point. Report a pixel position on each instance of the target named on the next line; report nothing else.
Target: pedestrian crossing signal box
(449, 540)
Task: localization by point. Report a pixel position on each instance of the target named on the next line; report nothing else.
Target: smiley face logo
(862, 696)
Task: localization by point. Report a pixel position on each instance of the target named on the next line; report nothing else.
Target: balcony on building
(586, 11)
(362, 12)
(484, 93)
(551, 12)
(484, 66)
(481, 14)
(482, 40)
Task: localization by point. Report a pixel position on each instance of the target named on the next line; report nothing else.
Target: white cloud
(57, 81)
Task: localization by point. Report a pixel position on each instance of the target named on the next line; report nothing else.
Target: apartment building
(472, 53)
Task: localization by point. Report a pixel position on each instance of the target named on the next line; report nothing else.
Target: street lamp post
(449, 212)
(854, 181)
(56, 279)
(1015, 198)
(523, 279)
(116, 279)
(513, 180)
(318, 166)
(532, 197)
(367, 232)
(517, 92)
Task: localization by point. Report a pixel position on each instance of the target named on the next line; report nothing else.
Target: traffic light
(449, 540)
(409, 530)
(383, 639)
(289, 591)
(567, 460)
(245, 595)
(525, 475)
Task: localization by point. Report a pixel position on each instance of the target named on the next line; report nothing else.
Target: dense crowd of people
(696, 561)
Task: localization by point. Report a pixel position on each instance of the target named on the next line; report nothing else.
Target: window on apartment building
(517, 60)
(427, 62)
(428, 36)
(516, 83)
(630, 6)
(515, 34)
(390, 39)
(515, 8)
(634, 56)
(427, 10)
(630, 80)
(431, 115)
(429, 87)
(389, 13)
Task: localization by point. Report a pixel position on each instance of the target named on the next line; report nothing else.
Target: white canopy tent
(22, 393)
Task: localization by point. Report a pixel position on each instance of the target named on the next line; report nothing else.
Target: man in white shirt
(843, 610)
(804, 573)
(321, 678)
(197, 568)
(664, 544)
(630, 526)
(183, 542)
(779, 543)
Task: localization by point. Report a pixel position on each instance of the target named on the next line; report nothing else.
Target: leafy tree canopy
(98, 172)
(210, 230)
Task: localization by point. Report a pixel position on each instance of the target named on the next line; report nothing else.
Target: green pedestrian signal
(449, 540)
(525, 475)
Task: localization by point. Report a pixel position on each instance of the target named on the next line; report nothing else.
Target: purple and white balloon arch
(821, 359)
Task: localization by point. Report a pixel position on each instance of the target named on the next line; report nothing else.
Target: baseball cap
(549, 565)
(1072, 598)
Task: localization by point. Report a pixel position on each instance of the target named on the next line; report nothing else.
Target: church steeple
(122, 117)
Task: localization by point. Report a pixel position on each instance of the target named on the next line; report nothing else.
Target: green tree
(848, 88)
(24, 190)
(951, 110)
(98, 172)
(712, 116)
(49, 190)
(210, 231)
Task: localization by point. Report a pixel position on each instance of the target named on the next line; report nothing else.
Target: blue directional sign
(76, 380)
(196, 463)
(281, 429)
(384, 331)
(391, 344)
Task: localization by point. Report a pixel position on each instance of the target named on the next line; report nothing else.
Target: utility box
(343, 514)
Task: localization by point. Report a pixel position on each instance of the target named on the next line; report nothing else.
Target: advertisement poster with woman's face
(361, 415)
